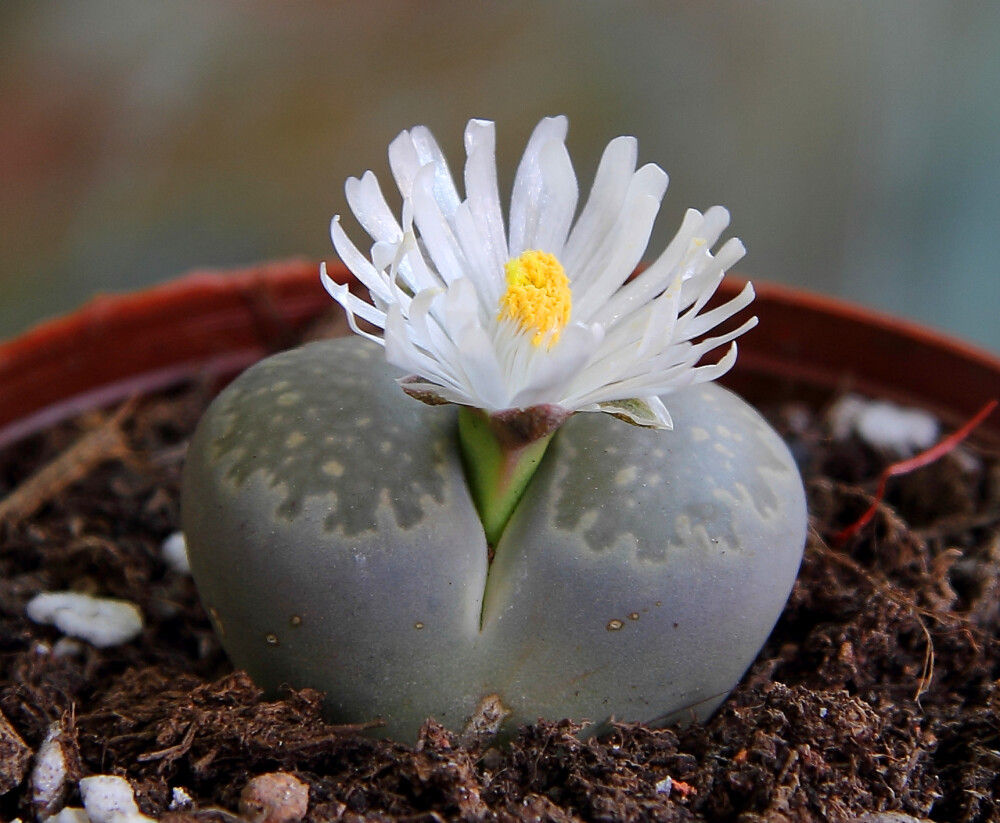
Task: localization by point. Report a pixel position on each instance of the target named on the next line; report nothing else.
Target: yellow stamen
(538, 296)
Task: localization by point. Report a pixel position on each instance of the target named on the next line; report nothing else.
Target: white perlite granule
(69, 814)
(110, 799)
(180, 799)
(49, 774)
(99, 620)
(174, 551)
(884, 425)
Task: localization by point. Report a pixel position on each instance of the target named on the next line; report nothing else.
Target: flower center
(538, 297)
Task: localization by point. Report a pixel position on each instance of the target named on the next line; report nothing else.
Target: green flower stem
(498, 466)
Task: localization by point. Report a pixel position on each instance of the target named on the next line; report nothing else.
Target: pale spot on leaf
(626, 476)
(333, 468)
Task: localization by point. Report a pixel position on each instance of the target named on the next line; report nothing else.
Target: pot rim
(215, 322)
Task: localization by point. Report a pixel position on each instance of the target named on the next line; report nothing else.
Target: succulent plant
(416, 559)
(336, 545)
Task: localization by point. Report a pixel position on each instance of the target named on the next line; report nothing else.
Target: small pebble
(274, 798)
(69, 814)
(884, 425)
(49, 774)
(101, 621)
(174, 551)
(180, 799)
(67, 647)
(110, 799)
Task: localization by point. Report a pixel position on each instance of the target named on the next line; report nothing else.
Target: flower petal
(435, 230)
(654, 279)
(410, 152)
(552, 373)
(529, 196)
(482, 190)
(618, 256)
(704, 322)
(400, 350)
(607, 194)
(368, 204)
(372, 279)
(481, 268)
(561, 192)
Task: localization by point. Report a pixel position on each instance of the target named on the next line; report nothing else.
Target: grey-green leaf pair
(335, 545)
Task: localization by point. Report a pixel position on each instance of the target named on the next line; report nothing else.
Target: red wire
(912, 464)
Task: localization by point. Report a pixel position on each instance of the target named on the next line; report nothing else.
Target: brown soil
(877, 691)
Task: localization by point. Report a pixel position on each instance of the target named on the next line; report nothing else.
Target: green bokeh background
(856, 144)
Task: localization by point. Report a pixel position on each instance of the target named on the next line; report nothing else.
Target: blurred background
(856, 144)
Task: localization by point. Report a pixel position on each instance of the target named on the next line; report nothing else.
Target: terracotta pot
(217, 322)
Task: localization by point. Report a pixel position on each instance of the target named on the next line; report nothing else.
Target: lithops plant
(490, 544)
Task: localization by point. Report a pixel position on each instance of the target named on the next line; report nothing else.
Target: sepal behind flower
(650, 414)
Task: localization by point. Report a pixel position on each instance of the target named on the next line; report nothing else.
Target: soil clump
(879, 690)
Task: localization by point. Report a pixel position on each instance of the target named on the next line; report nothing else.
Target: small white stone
(101, 621)
(67, 647)
(180, 799)
(48, 776)
(904, 431)
(174, 551)
(665, 786)
(844, 414)
(70, 814)
(274, 798)
(110, 799)
(884, 425)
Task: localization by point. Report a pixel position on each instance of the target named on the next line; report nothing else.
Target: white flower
(540, 313)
